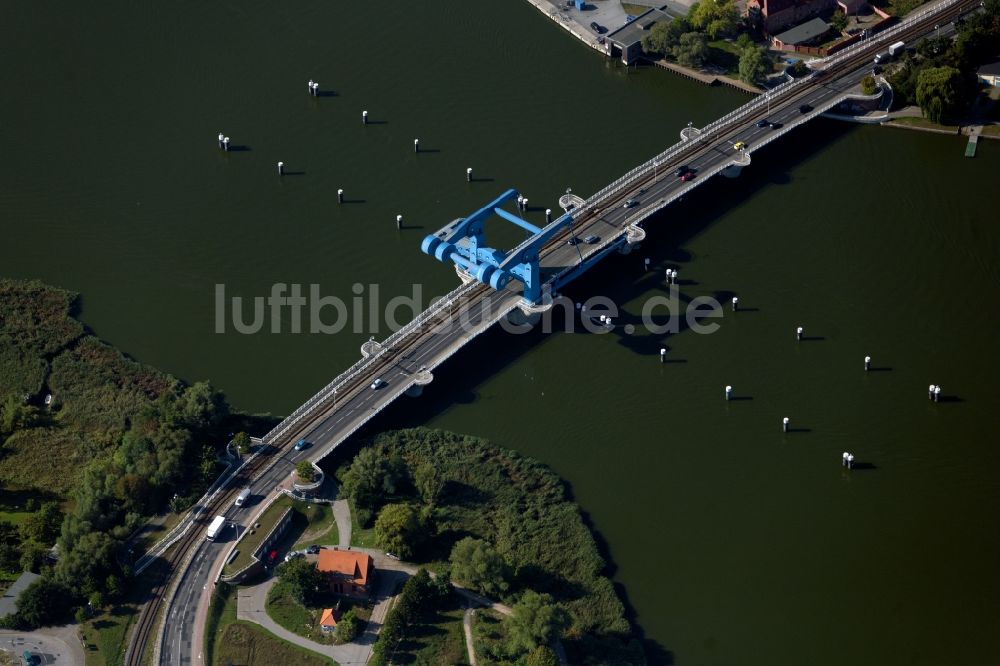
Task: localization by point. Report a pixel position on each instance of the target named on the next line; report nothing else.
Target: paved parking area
(55, 646)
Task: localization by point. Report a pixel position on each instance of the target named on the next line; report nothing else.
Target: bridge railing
(756, 104)
(324, 394)
(611, 189)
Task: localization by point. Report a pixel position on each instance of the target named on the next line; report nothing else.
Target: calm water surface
(734, 543)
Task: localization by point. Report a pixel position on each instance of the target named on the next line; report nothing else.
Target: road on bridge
(431, 343)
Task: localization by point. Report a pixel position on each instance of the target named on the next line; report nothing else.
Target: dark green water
(735, 544)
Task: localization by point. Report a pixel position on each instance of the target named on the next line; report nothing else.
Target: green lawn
(105, 635)
(14, 503)
(488, 636)
(923, 122)
(322, 529)
(221, 614)
(724, 54)
(249, 645)
(363, 538)
(437, 639)
(304, 621)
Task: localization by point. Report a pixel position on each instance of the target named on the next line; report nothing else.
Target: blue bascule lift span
(463, 242)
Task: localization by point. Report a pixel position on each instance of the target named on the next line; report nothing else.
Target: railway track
(148, 619)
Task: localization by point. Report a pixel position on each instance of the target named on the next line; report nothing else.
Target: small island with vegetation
(496, 523)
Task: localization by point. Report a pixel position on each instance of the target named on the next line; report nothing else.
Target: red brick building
(775, 15)
(349, 573)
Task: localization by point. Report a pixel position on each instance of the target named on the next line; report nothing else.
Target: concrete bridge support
(734, 169)
(421, 379)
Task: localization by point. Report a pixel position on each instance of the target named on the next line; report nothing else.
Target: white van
(243, 497)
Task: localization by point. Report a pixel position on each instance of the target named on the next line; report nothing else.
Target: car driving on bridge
(688, 176)
(739, 145)
(377, 384)
(301, 444)
(630, 203)
(681, 170)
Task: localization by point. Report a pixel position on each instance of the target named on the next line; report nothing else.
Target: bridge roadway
(347, 403)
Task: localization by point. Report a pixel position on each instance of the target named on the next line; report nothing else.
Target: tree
(86, 564)
(541, 656)
(428, 481)
(44, 602)
(940, 93)
(10, 547)
(719, 18)
(96, 600)
(476, 564)
(691, 50)
(305, 471)
(370, 479)
(201, 407)
(800, 68)
(301, 577)
(839, 21)
(743, 41)
(868, 85)
(536, 620)
(32, 556)
(398, 529)
(754, 65)
(664, 36)
(242, 443)
(348, 627)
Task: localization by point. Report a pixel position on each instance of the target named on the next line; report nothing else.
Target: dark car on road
(805, 108)
(763, 123)
(573, 241)
(681, 170)
(590, 240)
(598, 28)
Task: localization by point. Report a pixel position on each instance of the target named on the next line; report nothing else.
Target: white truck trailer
(215, 527)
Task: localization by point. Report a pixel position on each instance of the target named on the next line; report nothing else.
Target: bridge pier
(420, 380)
(370, 347)
(690, 132)
(734, 169)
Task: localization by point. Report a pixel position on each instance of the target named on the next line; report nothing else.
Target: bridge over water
(405, 360)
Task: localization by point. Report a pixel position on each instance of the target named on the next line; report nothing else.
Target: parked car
(294, 555)
(272, 557)
(688, 176)
(377, 384)
(591, 239)
(313, 549)
(598, 28)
